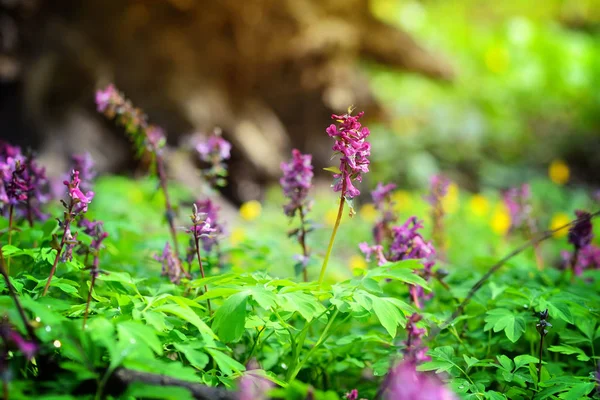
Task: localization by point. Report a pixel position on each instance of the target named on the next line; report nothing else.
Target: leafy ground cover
(112, 293)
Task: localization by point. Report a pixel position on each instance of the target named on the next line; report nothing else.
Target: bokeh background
(490, 93)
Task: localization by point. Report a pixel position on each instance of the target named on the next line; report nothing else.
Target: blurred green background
(525, 92)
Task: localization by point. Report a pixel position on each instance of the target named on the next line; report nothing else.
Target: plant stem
(162, 178)
(10, 227)
(540, 363)
(322, 339)
(302, 240)
(89, 300)
(53, 270)
(335, 228)
(15, 297)
(197, 240)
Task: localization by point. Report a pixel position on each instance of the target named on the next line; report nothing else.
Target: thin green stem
(197, 240)
(335, 228)
(322, 339)
(89, 300)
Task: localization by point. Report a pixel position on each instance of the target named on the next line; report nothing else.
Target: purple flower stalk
(296, 182)
(414, 351)
(75, 208)
(438, 190)
(407, 243)
(352, 395)
(404, 382)
(585, 254)
(383, 203)
(350, 142)
(253, 386)
(211, 210)
(214, 151)
(9, 335)
(148, 140)
(201, 227)
(170, 264)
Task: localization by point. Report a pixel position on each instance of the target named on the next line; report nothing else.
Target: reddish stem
(302, 240)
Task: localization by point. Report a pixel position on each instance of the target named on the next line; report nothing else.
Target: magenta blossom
(404, 382)
(350, 143)
(414, 351)
(352, 395)
(383, 203)
(213, 152)
(296, 182)
(106, 98)
(80, 199)
(580, 233)
(376, 250)
(211, 229)
(253, 386)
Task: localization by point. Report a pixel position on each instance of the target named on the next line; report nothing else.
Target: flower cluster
(23, 183)
(382, 200)
(94, 229)
(170, 264)
(210, 229)
(406, 243)
(201, 224)
(350, 143)
(586, 255)
(414, 350)
(296, 182)
(75, 208)
(214, 151)
(404, 382)
(518, 203)
(253, 386)
(146, 138)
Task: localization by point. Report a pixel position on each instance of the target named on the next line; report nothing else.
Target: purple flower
(381, 195)
(253, 386)
(580, 234)
(368, 251)
(214, 147)
(438, 189)
(296, 182)
(201, 225)
(352, 395)
(85, 165)
(170, 264)
(407, 243)
(214, 151)
(28, 348)
(404, 382)
(350, 143)
(518, 202)
(414, 351)
(588, 257)
(80, 200)
(211, 229)
(106, 98)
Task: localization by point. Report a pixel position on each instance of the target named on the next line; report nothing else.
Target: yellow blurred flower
(403, 200)
(368, 212)
(479, 205)
(500, 221)
(237, 236)
(558, 220)
(558, 171)
(331, 215)
(497, 59)
(357, 262)
(250, 210)
(450, 200)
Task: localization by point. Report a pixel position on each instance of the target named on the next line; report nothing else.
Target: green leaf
(187, 314)
(569, 350)
(230, 318)
(470, 360)
(388, 314)
(525, 359)
(136, 332)
(506, 363)
(503, 319)
(138, 390)
(560, 310)
(226, 364)
(197, 358)
(335, 169)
